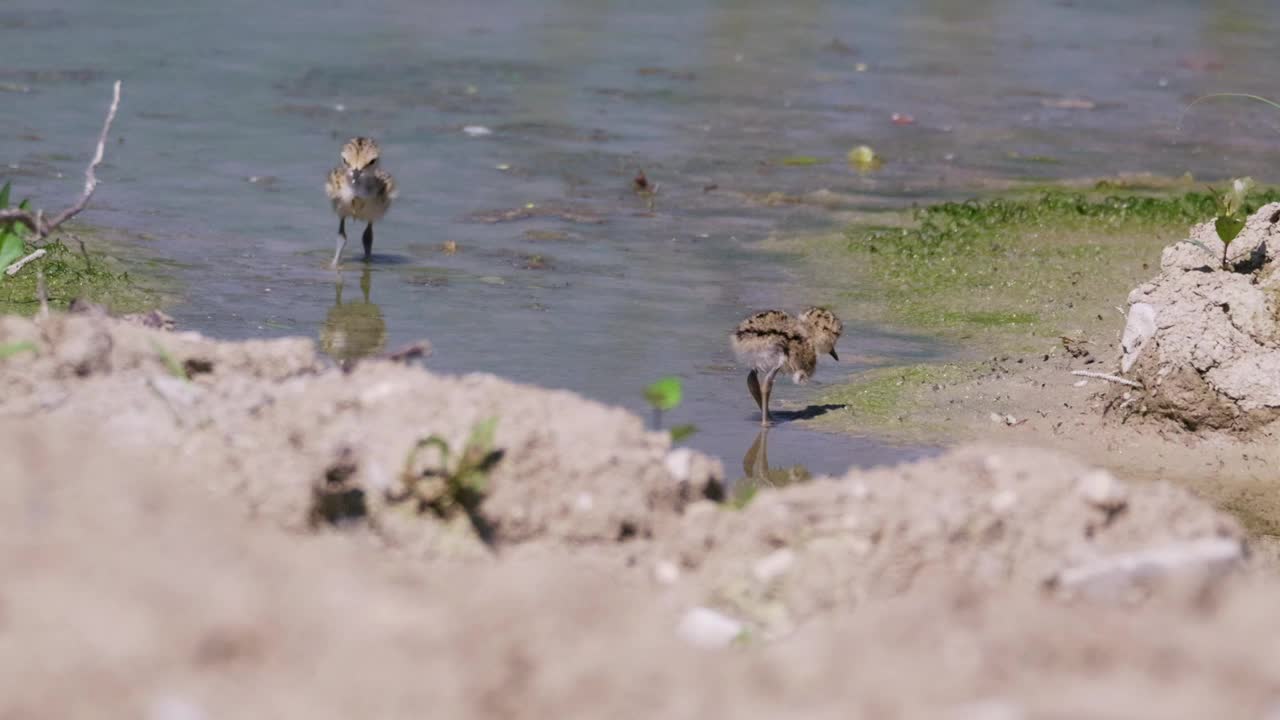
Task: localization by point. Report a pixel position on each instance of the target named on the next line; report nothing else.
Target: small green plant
(171, 363)
(1232, 213)
(667, 394)
(743, 494)
(12, 234)
(456, 482)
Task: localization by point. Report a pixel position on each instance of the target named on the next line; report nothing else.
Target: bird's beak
(834, 355)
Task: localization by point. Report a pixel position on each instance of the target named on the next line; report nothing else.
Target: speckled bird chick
(772, 341)
(360, 189)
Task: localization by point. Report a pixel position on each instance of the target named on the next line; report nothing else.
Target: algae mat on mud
(93, 274)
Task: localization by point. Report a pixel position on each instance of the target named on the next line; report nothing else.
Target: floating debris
(802, 160)
(1069, 103)
(477, 130)
(864, 158)
(533, 210)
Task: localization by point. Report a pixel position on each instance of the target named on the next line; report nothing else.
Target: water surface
(234, 112)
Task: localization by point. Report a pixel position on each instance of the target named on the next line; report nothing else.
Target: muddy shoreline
(1027, 393)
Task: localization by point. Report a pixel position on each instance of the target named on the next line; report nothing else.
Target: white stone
(1003, 501)
(774, 565)
(1102, 490)
(679, 463)
(1139, 326)
(706, 628)
(666, 572)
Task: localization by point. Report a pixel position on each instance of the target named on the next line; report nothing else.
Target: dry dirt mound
(131, 594)
(1205, 341)
(993, 517)
(979, 584)
(270, 422)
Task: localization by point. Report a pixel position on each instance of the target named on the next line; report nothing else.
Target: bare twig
(1105, 376)
(35, 220)
(14, 268)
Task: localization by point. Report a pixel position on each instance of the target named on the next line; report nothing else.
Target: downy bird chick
(360, 189)
(772, 341)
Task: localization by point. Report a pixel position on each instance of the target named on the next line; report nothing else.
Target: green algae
(1016, 268)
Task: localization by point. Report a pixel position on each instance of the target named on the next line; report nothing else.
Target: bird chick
(359, 189)
(772, 341)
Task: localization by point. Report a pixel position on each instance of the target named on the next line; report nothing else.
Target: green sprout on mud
(667, 394)
(457, 482)
(1231, 213)
(171, 363)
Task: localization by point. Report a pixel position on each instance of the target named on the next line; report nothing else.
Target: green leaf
(13, 348)
(482, 435)
(25, 204)
(681, 432)
(1228, 227)
(4, 196)
(171, 363)
(664, 394)
(11, 248)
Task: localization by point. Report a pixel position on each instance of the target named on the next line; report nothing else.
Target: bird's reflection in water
(758, 474)
(356, 329)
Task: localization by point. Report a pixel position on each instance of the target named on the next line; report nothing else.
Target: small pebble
(666, 572)
(1080, 383)
(774, 565)
(1102, 490)
(1002, 502)
(706, 628)
(679, 463)
(172, 707)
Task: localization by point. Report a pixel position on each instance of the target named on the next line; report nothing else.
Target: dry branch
(14, 268)
(1107, 377)
(35, 220)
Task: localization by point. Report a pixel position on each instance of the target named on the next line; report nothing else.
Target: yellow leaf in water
(864, 158)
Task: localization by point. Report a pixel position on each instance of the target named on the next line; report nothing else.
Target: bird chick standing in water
(359, 189)
(773, 341)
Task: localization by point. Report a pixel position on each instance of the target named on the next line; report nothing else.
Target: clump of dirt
(1204, 340)
(130, 584)
(271, 422)
(992, 516)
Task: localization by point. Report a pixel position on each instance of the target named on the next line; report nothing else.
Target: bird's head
(825, 328)
(360, 154)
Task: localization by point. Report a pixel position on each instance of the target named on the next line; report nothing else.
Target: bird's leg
(753, 384)
(765, 390)
(368, 240)
(342, 241)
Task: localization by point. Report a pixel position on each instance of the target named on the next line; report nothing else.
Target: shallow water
(234, 112)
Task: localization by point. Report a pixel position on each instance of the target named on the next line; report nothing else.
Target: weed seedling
(456, 482)
(667, 394)
(1231, 213)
